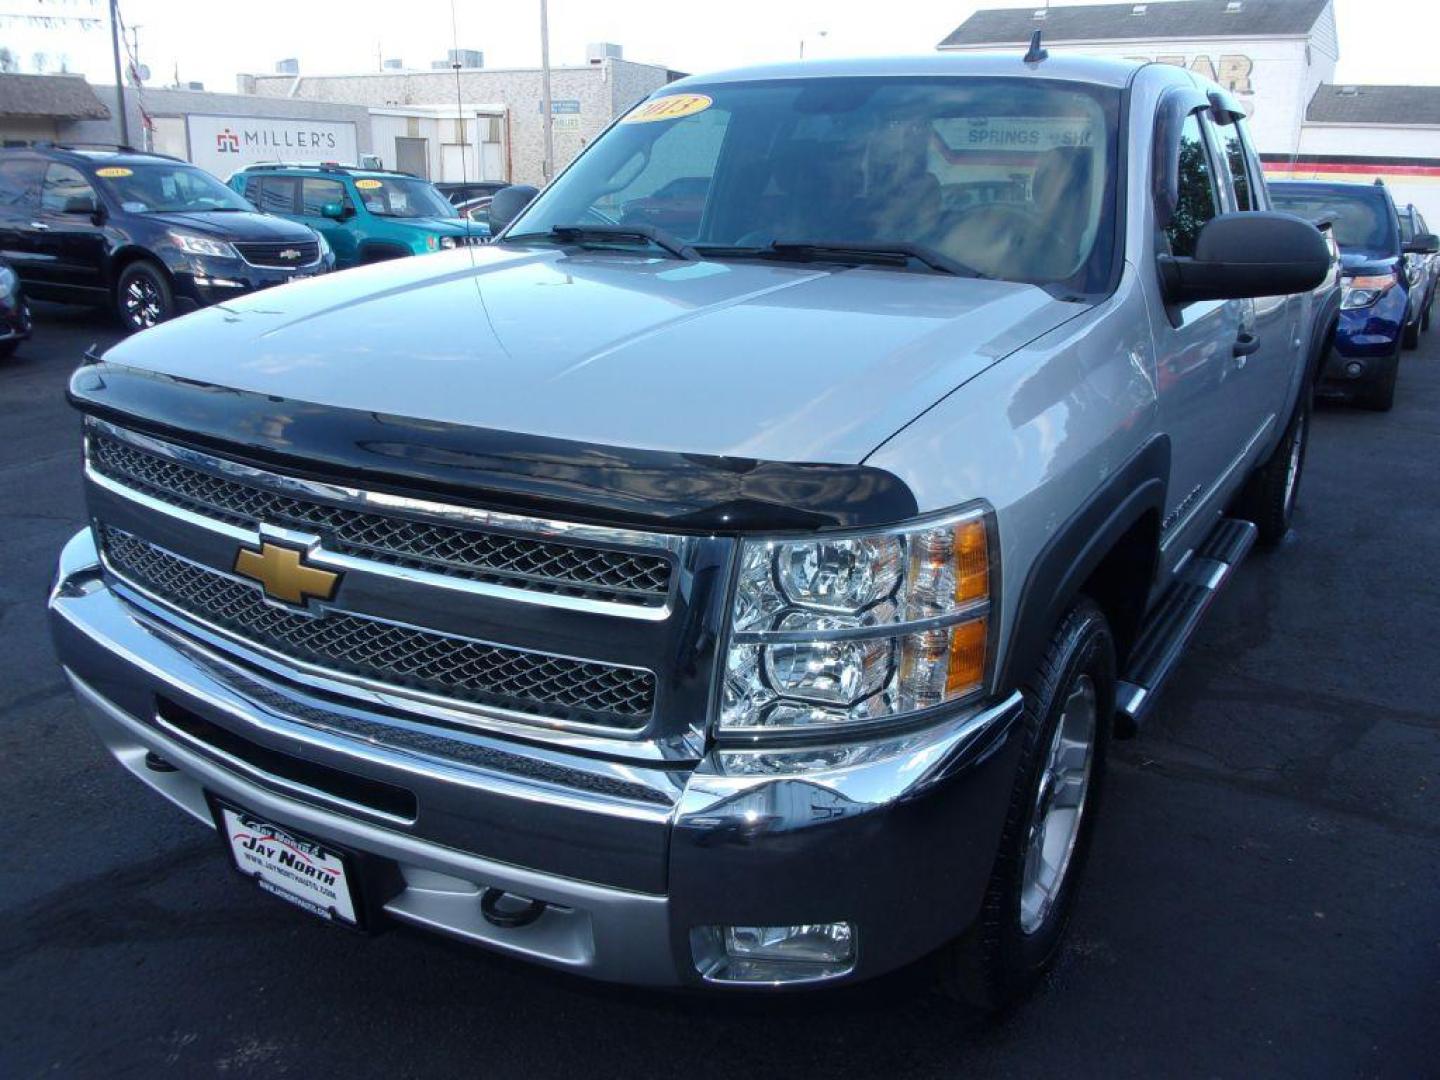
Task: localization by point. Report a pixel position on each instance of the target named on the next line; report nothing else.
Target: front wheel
(1379, 396)
(143, 297)
(1410, 334)
(1069, 711)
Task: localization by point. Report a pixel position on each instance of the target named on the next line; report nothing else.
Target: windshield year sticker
(110, 172)
(368, 185)
(669, 107)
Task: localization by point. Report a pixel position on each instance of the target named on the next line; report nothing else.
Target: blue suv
(1379, 310)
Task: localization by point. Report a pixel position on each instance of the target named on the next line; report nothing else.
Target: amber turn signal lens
(967, 657)
(972, 562)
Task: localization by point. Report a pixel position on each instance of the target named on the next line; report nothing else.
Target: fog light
(773, 954)
(1354, 368)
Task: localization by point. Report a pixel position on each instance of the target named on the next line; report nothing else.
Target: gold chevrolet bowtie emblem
(283, 573)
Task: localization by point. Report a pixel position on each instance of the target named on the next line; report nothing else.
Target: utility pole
(545, 90)
(119, 76)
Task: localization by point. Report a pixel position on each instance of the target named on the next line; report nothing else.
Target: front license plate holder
(316, 876)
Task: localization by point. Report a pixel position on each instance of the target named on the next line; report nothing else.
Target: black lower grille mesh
(383, 652)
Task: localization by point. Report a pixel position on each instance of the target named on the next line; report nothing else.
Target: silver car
(733, 583)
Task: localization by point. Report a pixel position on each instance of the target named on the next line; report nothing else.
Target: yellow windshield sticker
(669, 107)
(110, 172)
(368, 185)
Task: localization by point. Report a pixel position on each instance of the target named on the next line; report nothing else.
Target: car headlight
(1362, 291)
(9, 281)
(192, 244)
(324, 245)
(834, 631)
(447, 241)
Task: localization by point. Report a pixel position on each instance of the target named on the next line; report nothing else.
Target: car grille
(531, 563)
(387, 653)
(470, 240)
(279, 255)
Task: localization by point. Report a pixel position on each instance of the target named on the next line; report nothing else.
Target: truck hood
(798, 363)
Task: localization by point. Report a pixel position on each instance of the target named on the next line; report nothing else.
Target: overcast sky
(212, 41)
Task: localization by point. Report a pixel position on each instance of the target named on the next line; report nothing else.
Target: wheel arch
(1109, 549)
(133, 253)
(371, 251)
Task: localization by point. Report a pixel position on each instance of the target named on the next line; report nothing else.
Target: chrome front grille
(525, 562)
(388, 653)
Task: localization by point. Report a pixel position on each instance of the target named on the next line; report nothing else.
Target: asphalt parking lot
(1263, 897)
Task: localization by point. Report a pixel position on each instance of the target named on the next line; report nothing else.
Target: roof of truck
(1085, 69)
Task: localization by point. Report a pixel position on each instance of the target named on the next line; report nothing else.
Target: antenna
(1037, 51)
(459, 114)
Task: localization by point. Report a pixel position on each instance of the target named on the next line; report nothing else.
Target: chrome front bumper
(896, 837)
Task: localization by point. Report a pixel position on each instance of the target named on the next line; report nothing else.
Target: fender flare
(1072, 554)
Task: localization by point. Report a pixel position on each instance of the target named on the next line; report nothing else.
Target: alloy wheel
(1059, 805)
(142, 302)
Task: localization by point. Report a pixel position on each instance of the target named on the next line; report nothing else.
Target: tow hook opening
(155, 763)
(508, 911)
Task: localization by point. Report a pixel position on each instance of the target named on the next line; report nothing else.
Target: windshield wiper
(582, 234)
(884, 252)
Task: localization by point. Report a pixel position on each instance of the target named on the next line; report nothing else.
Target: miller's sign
(223, 144)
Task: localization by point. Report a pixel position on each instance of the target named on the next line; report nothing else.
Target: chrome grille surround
(439, 546)
(634, 680)
(267, 254)
(390, 653)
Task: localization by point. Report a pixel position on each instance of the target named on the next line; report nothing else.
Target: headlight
(9, 282)
(1361, 292)
(192, 244)
(324, 245)
(832, 631)
(447, 241)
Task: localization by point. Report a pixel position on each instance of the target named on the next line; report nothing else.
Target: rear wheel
(1270, 497)
(143, 297)
(1069, 710)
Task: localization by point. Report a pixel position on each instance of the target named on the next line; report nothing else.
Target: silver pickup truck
(734, 575)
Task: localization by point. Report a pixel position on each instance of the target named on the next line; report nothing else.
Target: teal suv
(366, 215)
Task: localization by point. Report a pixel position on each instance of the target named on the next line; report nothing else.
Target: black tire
(1000, 958)
(7, 349)
(1410, 335)
(381, 253)
(1269, 498)
(1379, 395)
(1425, 311)
(142, 296)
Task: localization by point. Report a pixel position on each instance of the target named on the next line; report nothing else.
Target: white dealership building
(1278, 57)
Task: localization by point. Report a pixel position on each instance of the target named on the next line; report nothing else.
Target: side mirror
(1243, 255)
(333, 210)
(1423, 244)
(79, 204)
(506, 204)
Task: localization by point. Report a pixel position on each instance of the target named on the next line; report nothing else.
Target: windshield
(1014, 178)
(1359, 214)
(403, 197)
(165, 188)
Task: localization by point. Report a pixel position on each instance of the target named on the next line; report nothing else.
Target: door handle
(40, 225)
(1246, 343)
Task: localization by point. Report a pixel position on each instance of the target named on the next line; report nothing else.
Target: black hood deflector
(500, 470)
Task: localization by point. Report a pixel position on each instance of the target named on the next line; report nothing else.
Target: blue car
(1378, 312)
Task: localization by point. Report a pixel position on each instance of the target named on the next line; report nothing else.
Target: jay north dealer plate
(294, 868)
